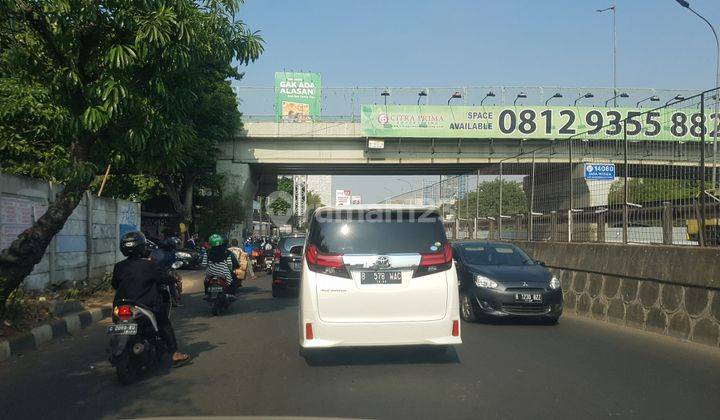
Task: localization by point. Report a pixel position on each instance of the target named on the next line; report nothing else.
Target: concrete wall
(86, 247)
(663, 289)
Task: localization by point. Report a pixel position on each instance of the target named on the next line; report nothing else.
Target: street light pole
(686, 5)
(612, 8)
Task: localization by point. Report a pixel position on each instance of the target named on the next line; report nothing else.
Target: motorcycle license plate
(122, 329)
(215, 289)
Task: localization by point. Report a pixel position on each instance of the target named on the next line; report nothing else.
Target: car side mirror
(296, 250)
(538, 262)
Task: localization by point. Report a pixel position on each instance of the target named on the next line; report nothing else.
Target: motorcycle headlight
(554, 283)
(482, 281)
(183, 255)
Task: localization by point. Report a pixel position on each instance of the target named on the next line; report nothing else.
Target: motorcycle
(269, 257)
(218, 294)
(135, 342)
(258, 259)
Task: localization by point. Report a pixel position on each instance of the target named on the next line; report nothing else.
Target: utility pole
(613, 9)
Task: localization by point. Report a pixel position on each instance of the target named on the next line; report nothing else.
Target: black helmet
(133, 244)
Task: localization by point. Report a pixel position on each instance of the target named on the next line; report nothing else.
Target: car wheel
(275, 292)
(467, 310)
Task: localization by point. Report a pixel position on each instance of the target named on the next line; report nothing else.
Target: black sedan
(498, 279)
(287, 265)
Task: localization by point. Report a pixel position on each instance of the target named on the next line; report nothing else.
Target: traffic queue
(398, 281)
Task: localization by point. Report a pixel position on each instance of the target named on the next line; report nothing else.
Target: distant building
(322, 186)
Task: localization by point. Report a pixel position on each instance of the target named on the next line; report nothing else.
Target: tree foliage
(107, 82)
(644, 190)
(513, 199)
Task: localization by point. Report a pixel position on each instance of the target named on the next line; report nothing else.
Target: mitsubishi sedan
(498, 279)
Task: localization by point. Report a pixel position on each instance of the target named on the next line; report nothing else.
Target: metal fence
(664, 191)
(343, 103)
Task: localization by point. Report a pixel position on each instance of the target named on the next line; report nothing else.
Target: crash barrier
(670, 290)
(86, 247)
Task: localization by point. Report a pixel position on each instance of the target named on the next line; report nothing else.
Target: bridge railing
(670, 197)
(343, 103)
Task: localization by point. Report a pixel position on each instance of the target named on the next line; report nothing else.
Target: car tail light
(276, 254)
(326, 263)
(456, 328)
(435, 262)
(124, 312)
(309, 331)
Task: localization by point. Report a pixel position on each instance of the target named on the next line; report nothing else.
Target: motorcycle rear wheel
(126, 370)
(217, 307)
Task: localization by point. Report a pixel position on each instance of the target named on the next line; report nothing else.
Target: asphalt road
(246, 363)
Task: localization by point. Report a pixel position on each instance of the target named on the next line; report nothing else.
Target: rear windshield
(377, 232)
(491, 254)
(287, 243)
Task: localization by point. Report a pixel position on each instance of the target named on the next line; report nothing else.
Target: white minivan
(377, 275)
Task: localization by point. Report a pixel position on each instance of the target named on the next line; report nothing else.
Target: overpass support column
(239, 181)
(552, 194)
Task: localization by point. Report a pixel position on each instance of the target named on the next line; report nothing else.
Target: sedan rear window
(286, 244)
(377, 232)
(492, 254)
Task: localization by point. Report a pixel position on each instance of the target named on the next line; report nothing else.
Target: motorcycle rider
(164, 256)
(221, 262)
(138, 279)
(244, 260)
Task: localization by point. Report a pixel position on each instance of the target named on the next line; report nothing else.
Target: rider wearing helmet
(221, 262)
(138, 279)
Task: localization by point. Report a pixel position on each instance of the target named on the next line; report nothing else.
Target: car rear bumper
(326, 335)
(502, 303)
(285, 279)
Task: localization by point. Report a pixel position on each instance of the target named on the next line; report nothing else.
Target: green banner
(534, 122)
(297, 96)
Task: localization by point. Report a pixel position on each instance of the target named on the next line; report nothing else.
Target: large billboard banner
(533, 122)
(297, 96)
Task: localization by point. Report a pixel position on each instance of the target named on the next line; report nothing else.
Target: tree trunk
(182, 204)
(188, 203)
(18, 261)
(172, 192)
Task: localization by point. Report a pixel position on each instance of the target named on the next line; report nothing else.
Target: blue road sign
(600, 171)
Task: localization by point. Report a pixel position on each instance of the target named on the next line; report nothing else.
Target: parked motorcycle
(135, 342)
(218, 294)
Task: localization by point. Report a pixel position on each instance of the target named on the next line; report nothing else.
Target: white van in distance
(378, 275)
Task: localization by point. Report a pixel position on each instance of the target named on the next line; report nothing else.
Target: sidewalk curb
(32, 339)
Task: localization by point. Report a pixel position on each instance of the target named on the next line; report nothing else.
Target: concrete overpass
(338, 145)
(265, 149)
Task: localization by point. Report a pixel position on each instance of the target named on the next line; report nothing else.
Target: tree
(513, 199)
(279, 206)
(215, 118)
(645, 190)
(123, 76)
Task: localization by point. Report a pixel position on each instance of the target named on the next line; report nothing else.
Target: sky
(399, 43)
